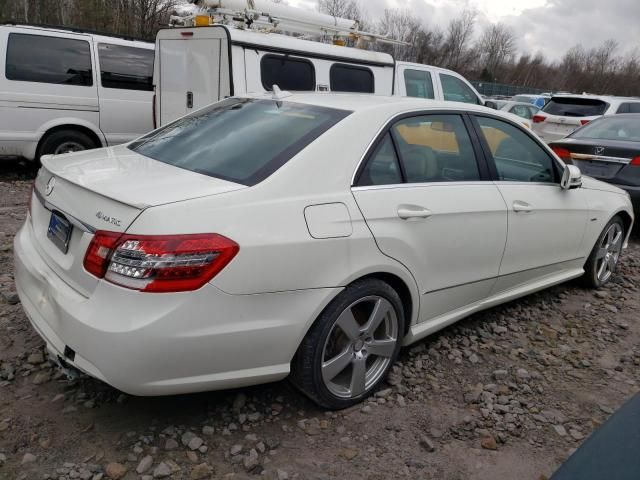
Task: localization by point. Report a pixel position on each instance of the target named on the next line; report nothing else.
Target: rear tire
(352, 345)
(603, 260)
(65, 141)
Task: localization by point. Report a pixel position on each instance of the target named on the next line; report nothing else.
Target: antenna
(279, 94)
(265, 16)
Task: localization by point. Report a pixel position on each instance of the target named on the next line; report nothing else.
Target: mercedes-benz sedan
(311, 234)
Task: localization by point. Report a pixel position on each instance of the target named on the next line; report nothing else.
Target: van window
(348, 78)
(455, 90)
(287, 73)
(127, 68)
(45, 59)
(418, 83)
(241, 140)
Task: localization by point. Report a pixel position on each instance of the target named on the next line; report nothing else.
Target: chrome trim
(422, 185)
(604, 158)
(74, 221)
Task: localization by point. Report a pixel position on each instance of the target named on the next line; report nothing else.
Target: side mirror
(491, 104)
(571, 177)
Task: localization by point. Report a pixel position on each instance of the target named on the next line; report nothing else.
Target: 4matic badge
(108, 219)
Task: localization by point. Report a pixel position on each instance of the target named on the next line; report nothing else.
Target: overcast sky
(549, 26)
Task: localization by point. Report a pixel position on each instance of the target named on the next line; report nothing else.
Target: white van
(196, 66)
(64, 90)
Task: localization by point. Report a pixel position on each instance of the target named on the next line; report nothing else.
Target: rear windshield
(611, 128)
(575, 107)
(240, 140)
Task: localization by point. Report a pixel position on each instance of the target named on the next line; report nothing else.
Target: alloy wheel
(608, 252)
(359, 347)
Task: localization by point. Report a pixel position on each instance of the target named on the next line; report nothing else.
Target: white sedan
(311, 234)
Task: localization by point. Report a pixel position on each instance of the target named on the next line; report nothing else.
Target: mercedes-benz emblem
(598, 150)
(50, 185)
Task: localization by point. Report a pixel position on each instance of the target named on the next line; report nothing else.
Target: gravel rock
(171, 444)
(28, 458)
(195, 443)
(489, 443)
(187, 437)
(115, 471)
(200, 472)
(162, 471)
(145, 464)
(251, 460)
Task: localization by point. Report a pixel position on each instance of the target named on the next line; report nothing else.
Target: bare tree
(458, 39)
(497, 45)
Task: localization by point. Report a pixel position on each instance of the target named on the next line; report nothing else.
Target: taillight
(563, 153)
(538, 118)
(635, 162)
(158, 263)
(584, 122)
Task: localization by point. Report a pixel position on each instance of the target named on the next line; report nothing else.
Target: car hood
(593, 184)
(133, 179)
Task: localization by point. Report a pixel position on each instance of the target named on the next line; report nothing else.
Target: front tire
(350, 348)
(603, 260)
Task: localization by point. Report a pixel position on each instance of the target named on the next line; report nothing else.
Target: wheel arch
(79, 126)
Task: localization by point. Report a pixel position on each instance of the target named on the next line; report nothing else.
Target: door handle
(406, 212)
(189, 99)
(519, 206)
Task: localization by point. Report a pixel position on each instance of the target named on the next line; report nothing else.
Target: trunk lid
(103, 189)
(596, 160)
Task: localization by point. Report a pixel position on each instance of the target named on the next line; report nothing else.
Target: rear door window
(575, 107)
(48, 59)
(435, 148)
(418, 83)
(382, 168)
(126, 68)
(240, 140)
(455, 90)
(349, 78)
(287, 73)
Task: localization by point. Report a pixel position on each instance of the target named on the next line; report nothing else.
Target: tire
(344, 339)
(65, 141)
(603, 260)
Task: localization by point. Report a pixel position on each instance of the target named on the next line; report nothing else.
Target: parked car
(521, 109)
(565, 113)
(611, 451)
(188, 76)
(533, 99)
(608, 148)
(253, 239)
(64, 90)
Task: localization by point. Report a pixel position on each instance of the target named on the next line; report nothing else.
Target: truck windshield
(239, 139)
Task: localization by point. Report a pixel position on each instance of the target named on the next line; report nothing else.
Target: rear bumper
(158, 344)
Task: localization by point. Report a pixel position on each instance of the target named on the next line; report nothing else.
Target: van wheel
(65, 141)
(349, 350)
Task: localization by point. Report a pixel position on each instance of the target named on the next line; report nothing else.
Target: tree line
(489, 55)
(134, 18)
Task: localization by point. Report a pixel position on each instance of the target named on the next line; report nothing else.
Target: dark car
(607, 148)
(611, 453)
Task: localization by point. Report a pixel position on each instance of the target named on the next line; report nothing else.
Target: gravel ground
(507, 393)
